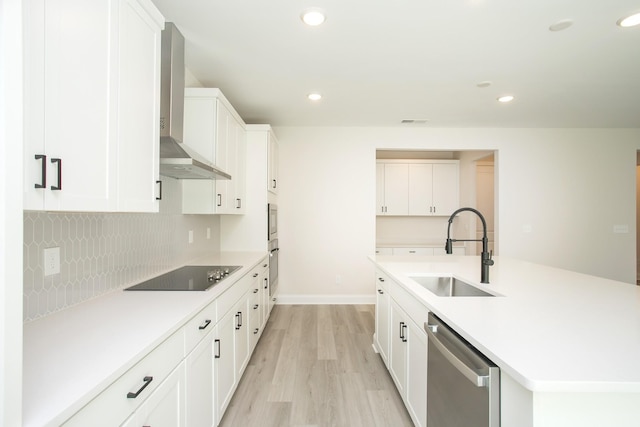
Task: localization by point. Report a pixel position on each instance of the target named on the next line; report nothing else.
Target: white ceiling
(377, 62)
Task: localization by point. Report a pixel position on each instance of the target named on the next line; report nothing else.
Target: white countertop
(70, 356)
(552, 330)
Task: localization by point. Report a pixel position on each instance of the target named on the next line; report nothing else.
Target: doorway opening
(405, 233)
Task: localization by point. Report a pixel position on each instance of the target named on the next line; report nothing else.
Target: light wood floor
(315, 366)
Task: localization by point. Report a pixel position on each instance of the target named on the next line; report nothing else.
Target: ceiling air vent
(413, 121)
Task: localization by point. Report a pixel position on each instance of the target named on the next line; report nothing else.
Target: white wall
(570, 186)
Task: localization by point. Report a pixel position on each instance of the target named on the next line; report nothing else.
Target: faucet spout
(485, 257)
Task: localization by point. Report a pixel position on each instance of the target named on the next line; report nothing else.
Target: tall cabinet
(92, 90)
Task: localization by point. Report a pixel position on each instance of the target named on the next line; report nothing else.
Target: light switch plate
(621, 229)
(51, 261)
(190, 236)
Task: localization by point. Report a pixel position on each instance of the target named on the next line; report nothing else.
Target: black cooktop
(187, 278)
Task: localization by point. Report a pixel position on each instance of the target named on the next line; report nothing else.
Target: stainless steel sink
(449, 287)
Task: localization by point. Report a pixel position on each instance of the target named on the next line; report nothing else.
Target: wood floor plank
(314, 366)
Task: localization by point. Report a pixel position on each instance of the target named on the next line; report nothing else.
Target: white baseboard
(291, 299)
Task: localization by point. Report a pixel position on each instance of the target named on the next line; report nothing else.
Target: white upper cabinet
(92, 86)
(420, 187)
(215, 130)
(433, 188)
(395, 194)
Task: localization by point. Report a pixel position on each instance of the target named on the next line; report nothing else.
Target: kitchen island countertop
(551, 330)
(72, 355)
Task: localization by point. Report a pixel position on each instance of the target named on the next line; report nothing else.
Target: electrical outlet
(51, 261)
(190, 236)
(208, 233)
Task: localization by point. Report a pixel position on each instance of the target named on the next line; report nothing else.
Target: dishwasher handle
(470, 374)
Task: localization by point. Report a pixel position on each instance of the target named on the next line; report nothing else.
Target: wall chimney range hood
(177, 160)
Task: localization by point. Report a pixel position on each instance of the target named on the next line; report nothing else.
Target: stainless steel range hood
(177, 160)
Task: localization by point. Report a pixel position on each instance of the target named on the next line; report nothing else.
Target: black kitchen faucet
(485, 258)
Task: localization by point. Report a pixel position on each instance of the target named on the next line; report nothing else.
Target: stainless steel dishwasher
(463, 386)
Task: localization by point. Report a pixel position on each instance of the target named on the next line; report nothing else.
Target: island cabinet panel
(382, 317)
(398, 320)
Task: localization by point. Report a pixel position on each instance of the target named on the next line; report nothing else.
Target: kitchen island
(567, 344)
(72, 356)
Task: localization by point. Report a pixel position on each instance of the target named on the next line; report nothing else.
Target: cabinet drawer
(409, 303)
(228, 299)
(112, 406)
(198, 327)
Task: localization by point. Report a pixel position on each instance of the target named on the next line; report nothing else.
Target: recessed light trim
(629, 21)
(314, 96)
(563, 24)
(506, 98)
(313, 17)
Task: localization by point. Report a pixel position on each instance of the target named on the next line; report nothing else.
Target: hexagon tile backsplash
(102, 252)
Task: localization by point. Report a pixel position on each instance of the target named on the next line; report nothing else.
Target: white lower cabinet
(419, 250)
(190, 378)
(224, 372)
(165, 407)
(199, 391)
(398, 319)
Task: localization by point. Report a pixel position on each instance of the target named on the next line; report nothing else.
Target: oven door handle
(470, 374)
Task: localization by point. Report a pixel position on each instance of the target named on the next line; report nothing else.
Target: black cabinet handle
(255, 291)
(239, 204)
(255, 307)
(160, 196)
(402, 331)
(266, 283)
(59, 186)
(255, 332)
(238, 320)
(255, 274)
(43, 173)
(217, 344)
(147, 381)
(219, 199)
(265, 265)
(274, 183)
(240, 313)
(204, 326)
(380, 291)
(381, 279)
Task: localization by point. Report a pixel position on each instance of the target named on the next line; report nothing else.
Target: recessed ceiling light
(485, 83)
(313, 17)
(563, 24)
(314, 96)
(506, 98)
(629, 21)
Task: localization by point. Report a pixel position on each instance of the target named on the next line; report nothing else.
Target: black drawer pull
(159, 197)
(147, 381)
(219, 200)
(206, 323)
(43, 173)
(255, 307)
(59, 186)
(265, 265)
(255, 291)
(255, 274)
(381, 279)
(217, 355)
(255, 332)
(380, 291)
(266, 283)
